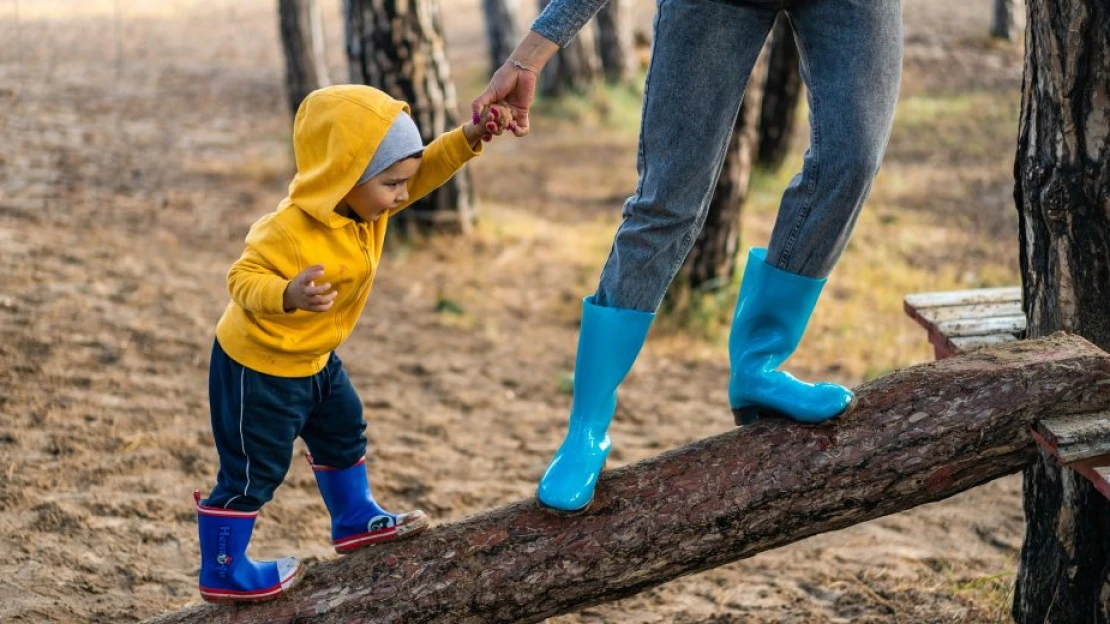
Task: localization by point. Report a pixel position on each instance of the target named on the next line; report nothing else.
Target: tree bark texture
(574, 68)
(302, 39)
(1002, 19)
(711, 262)
(398, 47)
(502, 29)
(1062, 193)
(780, 96)
(919, 435)
(615, 41)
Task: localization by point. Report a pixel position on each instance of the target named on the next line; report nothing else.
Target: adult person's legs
(703, 53)
(851, 54)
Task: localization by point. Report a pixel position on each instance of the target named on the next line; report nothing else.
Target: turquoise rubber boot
(608, 343)
(771, 315)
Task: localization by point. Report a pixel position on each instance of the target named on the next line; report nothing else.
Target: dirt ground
(140, 140)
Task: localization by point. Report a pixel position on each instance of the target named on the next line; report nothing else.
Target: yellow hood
(336, 132)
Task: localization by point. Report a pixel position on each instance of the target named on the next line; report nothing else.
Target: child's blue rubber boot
(226, 573)
(356, 520)
(608, 343)
(772, 312)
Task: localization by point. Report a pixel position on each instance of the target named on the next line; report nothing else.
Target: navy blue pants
(256, 417)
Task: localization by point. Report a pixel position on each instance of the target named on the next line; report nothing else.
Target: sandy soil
(136, 153)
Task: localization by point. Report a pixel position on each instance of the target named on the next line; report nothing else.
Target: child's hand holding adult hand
(302, 292)
(491, 122)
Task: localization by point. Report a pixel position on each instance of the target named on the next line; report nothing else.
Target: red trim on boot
(220, 511)
(354, 542)
(232, 595)
(364, 539)
(320, 468)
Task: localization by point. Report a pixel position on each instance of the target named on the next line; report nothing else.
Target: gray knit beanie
(400, 142)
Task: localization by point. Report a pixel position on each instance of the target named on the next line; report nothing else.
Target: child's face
(383, 192)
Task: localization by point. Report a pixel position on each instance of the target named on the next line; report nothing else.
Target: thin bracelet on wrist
(520, 65)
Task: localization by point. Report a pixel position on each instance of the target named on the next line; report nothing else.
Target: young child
(296, 294)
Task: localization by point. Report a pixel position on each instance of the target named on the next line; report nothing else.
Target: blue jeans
(256, 418)
(703, 53)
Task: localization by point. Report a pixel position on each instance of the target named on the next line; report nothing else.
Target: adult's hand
(514, 83)
(514, 87)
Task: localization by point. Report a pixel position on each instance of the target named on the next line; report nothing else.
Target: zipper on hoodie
(361, 234)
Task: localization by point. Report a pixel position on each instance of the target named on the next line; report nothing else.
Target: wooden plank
(970, 343)
(915, 314)
(1077, 437)
(983, 327)
(959, 321)
(964, 297)
(975, 311)
(1080, 442)
(942, 347)
(1099, 476)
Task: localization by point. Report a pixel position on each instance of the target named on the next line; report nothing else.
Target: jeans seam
(792, 238)
(640, 153)
(703, 204)
(692, 233)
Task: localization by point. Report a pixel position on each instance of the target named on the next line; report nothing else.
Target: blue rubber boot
(771, 315)
(608, 343)
(356, 519)
(226, 573)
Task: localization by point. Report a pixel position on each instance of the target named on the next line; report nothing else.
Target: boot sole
(563, 513)
(748, 415)
(272, 593)
(391, 534)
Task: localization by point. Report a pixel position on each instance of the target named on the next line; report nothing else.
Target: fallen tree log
(919, 435)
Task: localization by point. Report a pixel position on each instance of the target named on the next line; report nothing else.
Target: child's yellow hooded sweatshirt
(335, 133)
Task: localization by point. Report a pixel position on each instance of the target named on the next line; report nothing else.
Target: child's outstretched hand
(302, 292)
(494, 120)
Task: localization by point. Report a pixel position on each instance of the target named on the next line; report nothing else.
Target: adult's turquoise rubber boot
(608, 343)
(772, 312)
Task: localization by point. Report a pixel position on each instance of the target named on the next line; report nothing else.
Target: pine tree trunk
(1002, 20)
(780, 97)
(398, 47)
(574, 68)
(1063, 197)
(502, 29)
(615, 43)
(712, 260)
(302, 39)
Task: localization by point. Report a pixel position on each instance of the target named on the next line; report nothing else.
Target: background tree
(1002, 19)
(616, 41)
(502, 29)
(302, 39)
(398, 47)
(712, 261)
(575, 67)
(1062, 193)
(780, 97)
